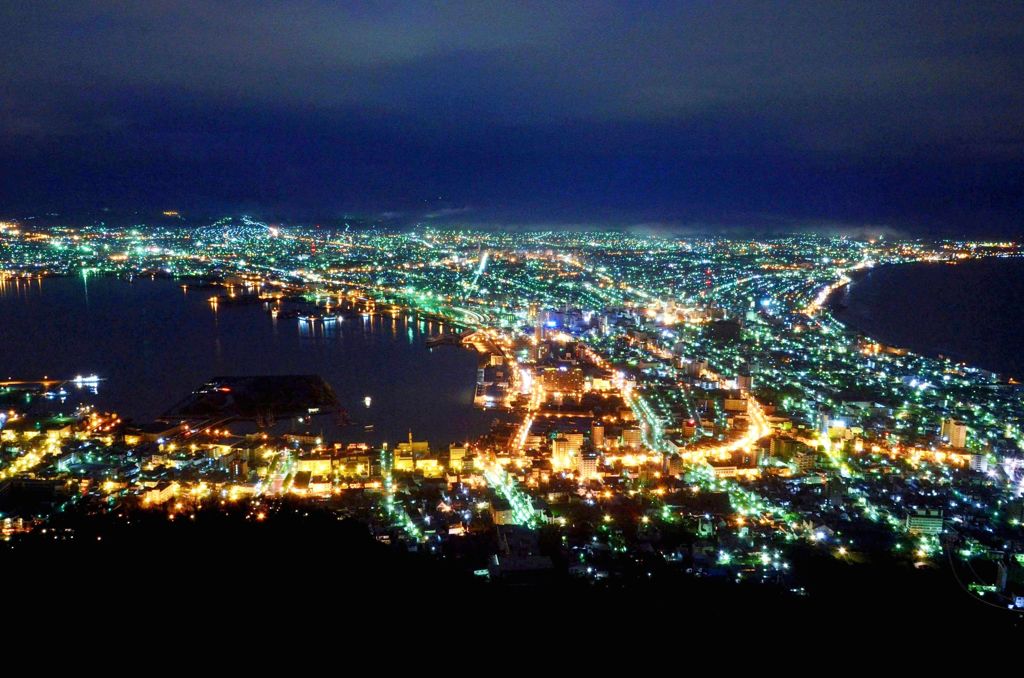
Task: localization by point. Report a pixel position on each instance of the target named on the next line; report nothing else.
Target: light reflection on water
(153, 342)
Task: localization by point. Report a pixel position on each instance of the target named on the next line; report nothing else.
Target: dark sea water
(971, 311)
(153, 343)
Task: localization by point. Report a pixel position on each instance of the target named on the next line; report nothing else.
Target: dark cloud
(686, 112)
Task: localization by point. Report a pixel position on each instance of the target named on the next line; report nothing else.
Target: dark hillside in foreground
(300, 560)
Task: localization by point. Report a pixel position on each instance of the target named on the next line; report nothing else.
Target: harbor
(177, 340)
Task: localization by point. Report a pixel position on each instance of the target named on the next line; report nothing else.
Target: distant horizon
(402, 222)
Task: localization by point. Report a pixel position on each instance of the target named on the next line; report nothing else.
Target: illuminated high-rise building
(587, 466)
(955, 432)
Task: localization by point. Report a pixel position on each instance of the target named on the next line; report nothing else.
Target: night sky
(685, 114)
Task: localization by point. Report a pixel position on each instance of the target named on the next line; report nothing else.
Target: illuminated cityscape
(560, 322)
(661, 403)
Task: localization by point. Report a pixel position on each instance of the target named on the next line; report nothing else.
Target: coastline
(864, 320)
(207, 349)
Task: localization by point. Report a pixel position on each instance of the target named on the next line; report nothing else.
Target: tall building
(745, 380)
(695, 367)
(587, 466)
(564, 451)
(823, 422)
(456, 456)
(575, 439)
(955, 432)
(597, 435)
